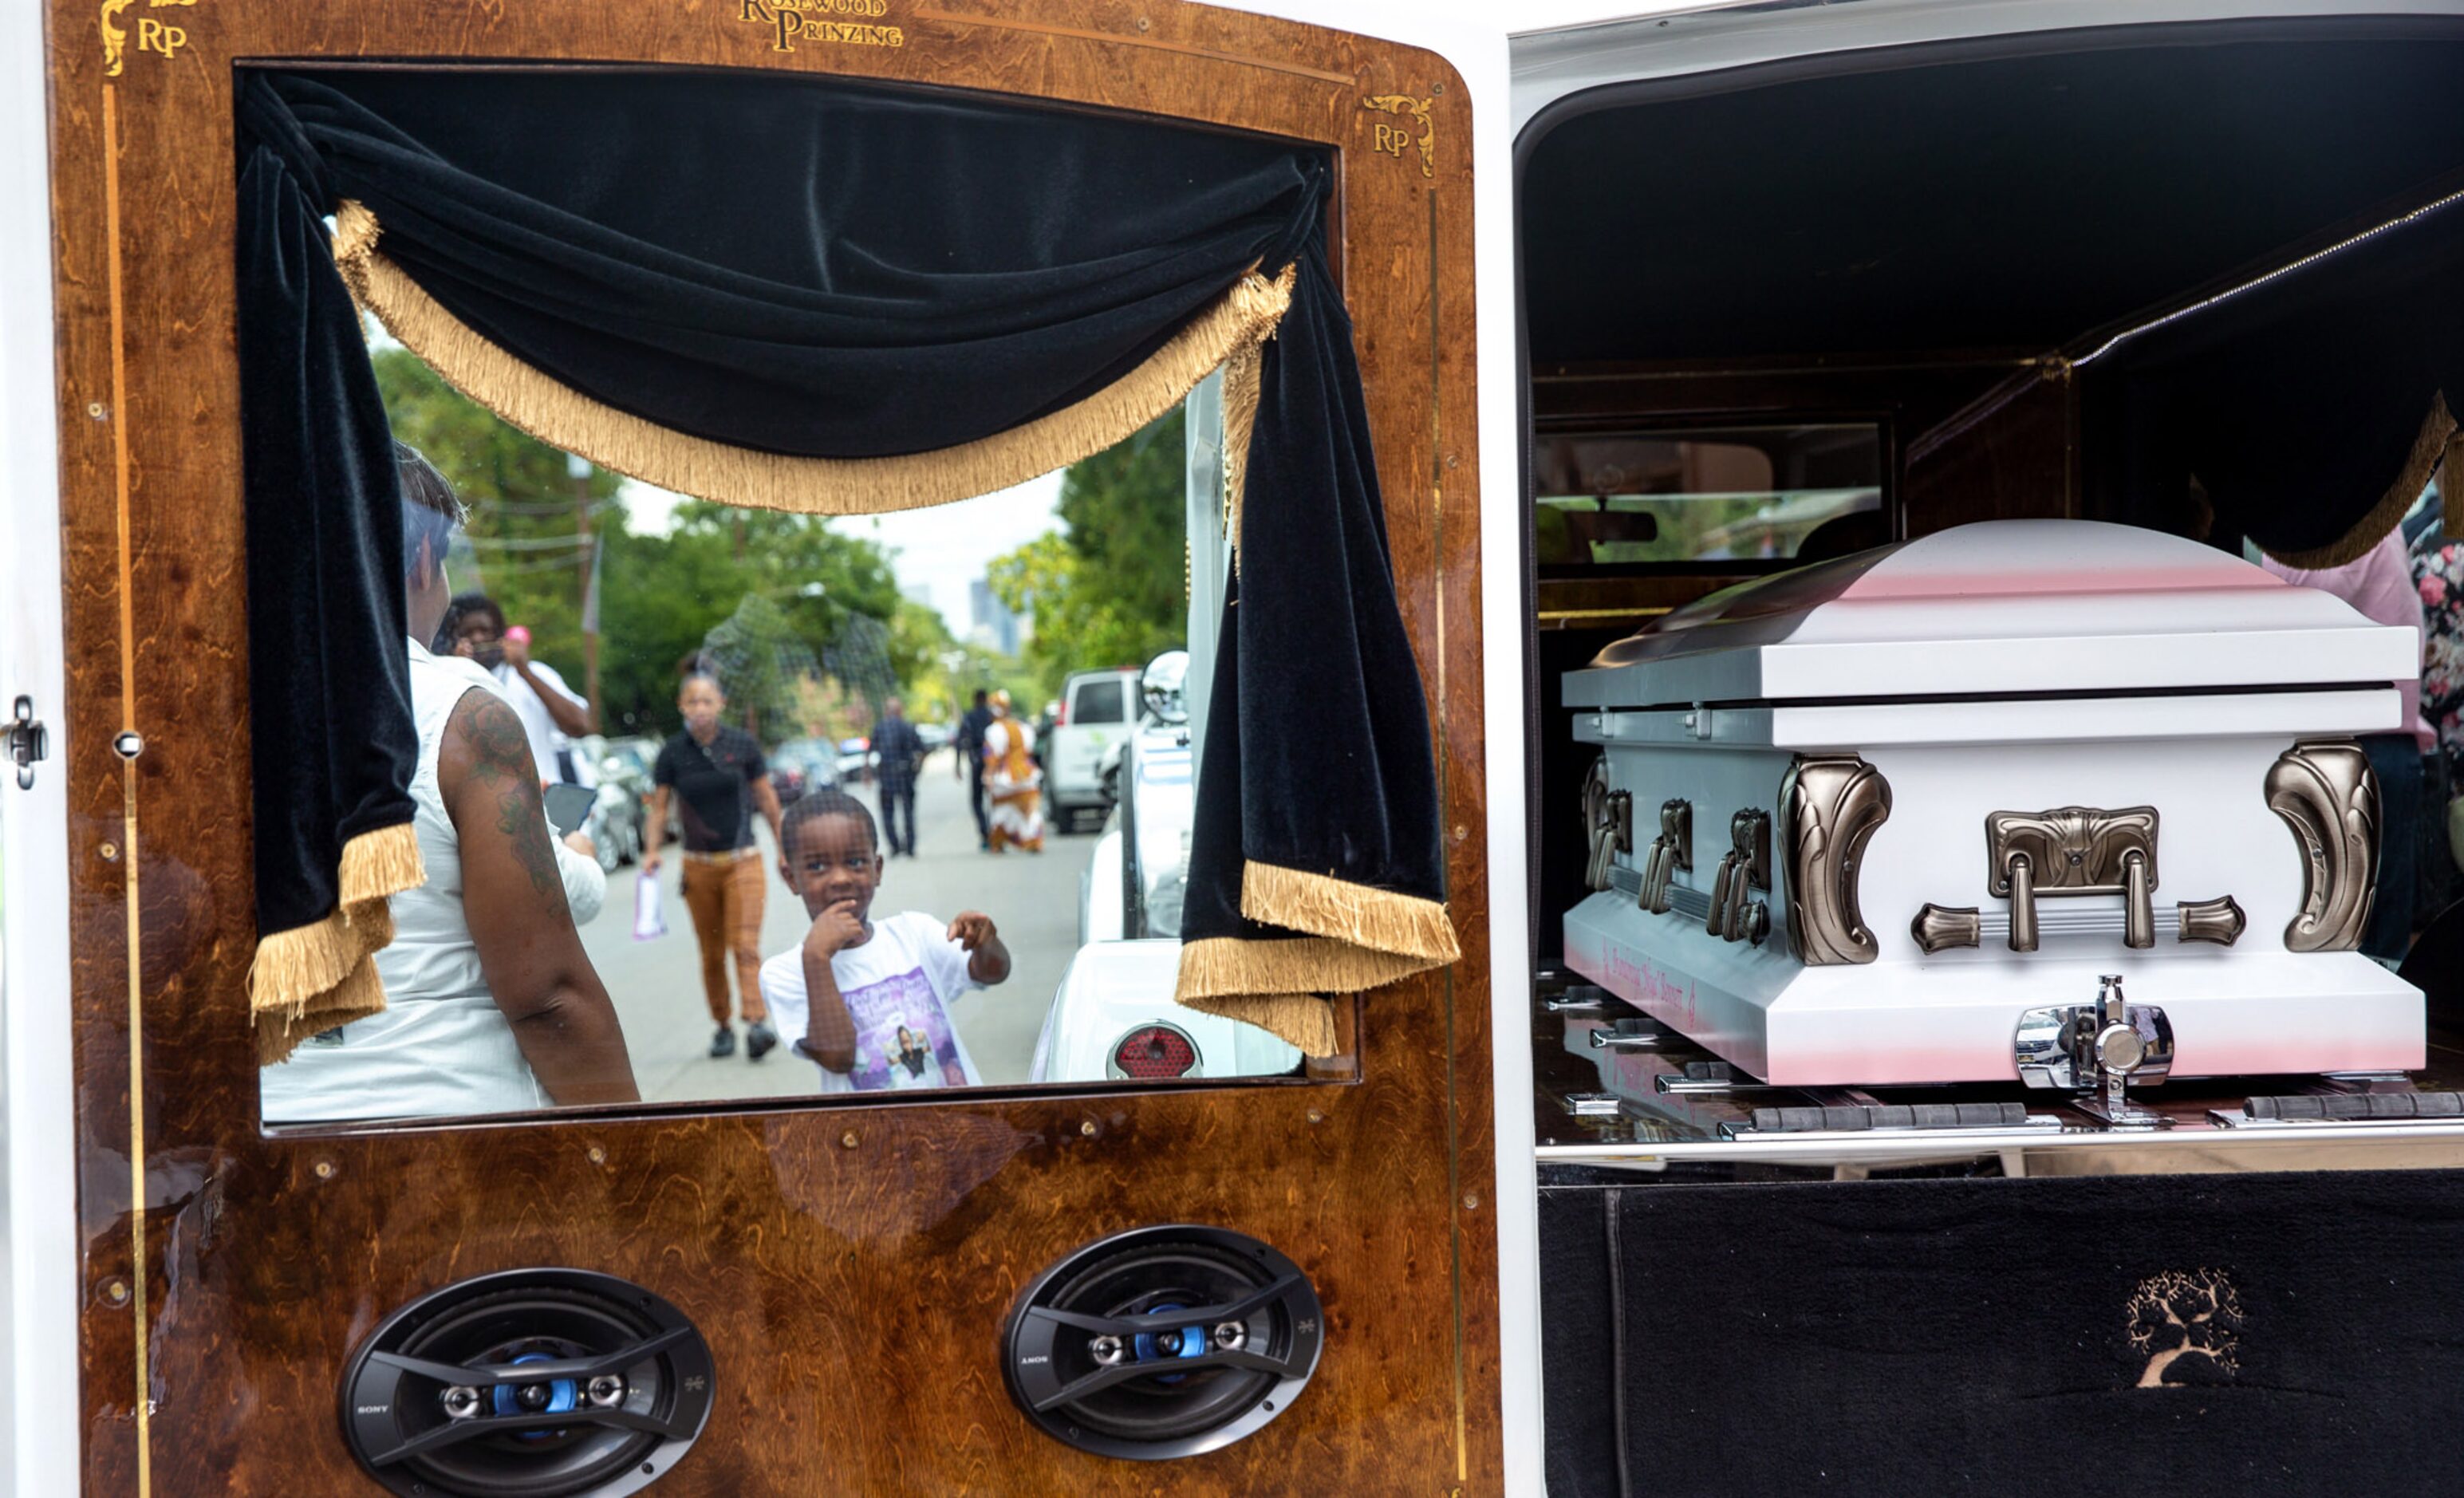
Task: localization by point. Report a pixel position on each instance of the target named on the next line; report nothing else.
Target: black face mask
(491, 656)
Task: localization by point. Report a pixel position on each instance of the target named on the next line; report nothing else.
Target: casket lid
(2000, 608)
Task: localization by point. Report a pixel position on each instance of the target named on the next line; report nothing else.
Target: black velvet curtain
(833, 270)
(2304, 406)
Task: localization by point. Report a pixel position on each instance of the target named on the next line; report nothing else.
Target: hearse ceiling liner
(2016, 203)
(829, 298)
(2115, 213)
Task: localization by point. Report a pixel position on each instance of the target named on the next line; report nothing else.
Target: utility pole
(578, 469)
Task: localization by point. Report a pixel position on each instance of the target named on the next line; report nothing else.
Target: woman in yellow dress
(1013, 781)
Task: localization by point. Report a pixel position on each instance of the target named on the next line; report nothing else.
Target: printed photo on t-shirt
(903, 1038)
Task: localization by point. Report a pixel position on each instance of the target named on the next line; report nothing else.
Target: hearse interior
(1841, 856)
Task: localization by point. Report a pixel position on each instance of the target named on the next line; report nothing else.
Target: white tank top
(441, 1046)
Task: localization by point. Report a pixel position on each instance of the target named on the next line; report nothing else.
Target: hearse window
(751, 773)
(693, 684)
(1097, 702)
(1725, 496)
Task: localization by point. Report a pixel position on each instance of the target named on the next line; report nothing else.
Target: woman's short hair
(431, 511)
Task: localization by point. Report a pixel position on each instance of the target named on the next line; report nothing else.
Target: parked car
(802, 765)
(1096, 711)
(854, 760)
(1113, 1018)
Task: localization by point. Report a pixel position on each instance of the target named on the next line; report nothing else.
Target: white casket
(1901, 818)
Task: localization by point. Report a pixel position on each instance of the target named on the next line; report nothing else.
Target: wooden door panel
(851, 1264)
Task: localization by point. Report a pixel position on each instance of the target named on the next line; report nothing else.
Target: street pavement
(1032, 900)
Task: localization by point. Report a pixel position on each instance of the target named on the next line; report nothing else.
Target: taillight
(1152, 1053)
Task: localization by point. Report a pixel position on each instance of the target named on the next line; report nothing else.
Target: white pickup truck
(1098, 713)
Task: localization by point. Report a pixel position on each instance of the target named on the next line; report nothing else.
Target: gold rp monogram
(2177, 1316)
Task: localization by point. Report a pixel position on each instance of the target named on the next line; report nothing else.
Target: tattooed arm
(513, 896)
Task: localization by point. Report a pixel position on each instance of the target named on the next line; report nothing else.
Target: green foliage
(792, 586)
(522, 504)
(1113, 589)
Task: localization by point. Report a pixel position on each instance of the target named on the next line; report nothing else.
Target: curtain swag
(1225, 335)
(2437, 448)
(582, 272)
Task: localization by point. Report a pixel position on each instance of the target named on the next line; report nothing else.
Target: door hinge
(28, 741)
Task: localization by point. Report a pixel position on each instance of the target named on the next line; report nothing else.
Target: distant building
(994, 625)
(919, 594)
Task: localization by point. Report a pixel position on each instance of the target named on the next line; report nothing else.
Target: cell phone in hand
(569, 807)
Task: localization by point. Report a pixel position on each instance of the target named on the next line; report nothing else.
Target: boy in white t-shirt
(869, 1001)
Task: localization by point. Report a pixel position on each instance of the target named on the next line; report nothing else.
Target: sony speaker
(532, 1384)
(1163, 1342)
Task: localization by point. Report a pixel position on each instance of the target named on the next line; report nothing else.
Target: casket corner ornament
(2327, 794)
(1829, 806)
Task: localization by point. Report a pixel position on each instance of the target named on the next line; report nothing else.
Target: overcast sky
(943, 548)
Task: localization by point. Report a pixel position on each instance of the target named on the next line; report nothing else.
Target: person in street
(970, 764)
(490, 1004)
(869, 1001)
(553, 714)
(898, 750)
(1013, 782)
(718, 778)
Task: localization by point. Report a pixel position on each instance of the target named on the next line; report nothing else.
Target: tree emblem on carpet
(2177, 1316)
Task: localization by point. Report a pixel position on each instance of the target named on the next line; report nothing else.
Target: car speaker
(532, 1384)
(1163, 1342)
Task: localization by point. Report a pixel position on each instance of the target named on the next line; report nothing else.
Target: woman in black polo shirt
(720, 780)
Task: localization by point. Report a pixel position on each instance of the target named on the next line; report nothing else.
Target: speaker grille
(1163, 1342)
(534, 1383)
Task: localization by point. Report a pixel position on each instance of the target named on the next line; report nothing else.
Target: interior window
(697, 686)
(1609, 498)
(1097, 701)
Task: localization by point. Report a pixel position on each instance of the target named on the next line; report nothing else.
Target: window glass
(684, 680)
(1097, 701)
(1714, 495)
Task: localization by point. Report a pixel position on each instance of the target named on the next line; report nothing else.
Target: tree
(788, 581)
(1113, 587)
(523, 532)
(2176, 1316)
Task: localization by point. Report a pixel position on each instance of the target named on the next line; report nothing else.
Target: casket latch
(2099, 1049)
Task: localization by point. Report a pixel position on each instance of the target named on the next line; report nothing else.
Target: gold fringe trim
(379, 865)
(2429, 447)
(1302, 1019)
(1219, 967)
(1380, 920)
(359, 995)
(1242, 375)
(563, 417)
(315, 977)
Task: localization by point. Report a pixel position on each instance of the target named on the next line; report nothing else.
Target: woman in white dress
(1013, 781)
(490, 1004)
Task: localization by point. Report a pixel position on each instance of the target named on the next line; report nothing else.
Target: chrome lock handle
(2022, 874)
(2138, 903)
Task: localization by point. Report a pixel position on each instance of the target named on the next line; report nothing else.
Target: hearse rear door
(810, 1293)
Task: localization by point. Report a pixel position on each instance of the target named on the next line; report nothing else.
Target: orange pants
(725, 899)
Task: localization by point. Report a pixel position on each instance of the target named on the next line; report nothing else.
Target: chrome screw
(606, 1390)
(1106, 1350)
(461, 1402)
(1229, 1334)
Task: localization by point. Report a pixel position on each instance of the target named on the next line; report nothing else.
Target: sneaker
(723, 1043)
(758, 1040)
